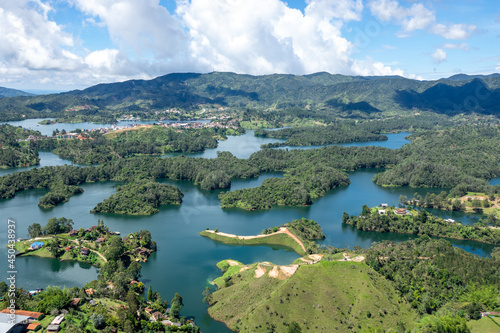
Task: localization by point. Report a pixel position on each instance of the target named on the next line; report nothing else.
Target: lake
(185, 262)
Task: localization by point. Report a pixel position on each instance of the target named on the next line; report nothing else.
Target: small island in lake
(297, 235)
(141, 197)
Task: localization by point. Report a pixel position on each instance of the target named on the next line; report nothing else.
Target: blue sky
(68, 44)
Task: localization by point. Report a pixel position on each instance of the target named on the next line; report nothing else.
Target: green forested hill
(320, 92)
(330, 296)
(7, 92)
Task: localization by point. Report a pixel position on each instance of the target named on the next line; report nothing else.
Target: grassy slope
(276, 239)
(484, 325)
(325, 297)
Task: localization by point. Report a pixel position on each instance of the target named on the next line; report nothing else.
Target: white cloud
(256, 37)
(418, 17)
(461, 46)
(439, 55)
(266, 36)
(29, 40)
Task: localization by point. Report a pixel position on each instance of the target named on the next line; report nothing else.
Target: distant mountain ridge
(346, 95)
(7, 92)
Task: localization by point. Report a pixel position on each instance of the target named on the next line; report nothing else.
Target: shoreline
(272, 239)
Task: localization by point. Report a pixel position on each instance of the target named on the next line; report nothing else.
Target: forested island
(298, 235)
(409, 221)
(140, 197)
(95, 147)
(319, 135)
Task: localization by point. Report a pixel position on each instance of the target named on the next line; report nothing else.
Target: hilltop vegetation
(7, 92)
(320, 93)
(323, 297)
(422, 285)
(432, 274)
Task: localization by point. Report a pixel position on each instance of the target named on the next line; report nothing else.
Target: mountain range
(348, 95)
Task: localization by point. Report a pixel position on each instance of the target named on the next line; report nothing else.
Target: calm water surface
(185, 262)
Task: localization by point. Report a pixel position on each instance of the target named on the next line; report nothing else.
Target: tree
(345, 217)
(132, 303)
(53, 298)
(294, 328)
(403, 199)
(58, 225)
(98, 320)
(115, 249)
(207, 295)
(176, 305)
(55, 249)
(150, 293)
(34, 230)
(443, 324)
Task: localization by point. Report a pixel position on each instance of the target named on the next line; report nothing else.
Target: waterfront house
(31, 315)
(89, 291)
(75, 302)
(84, 251)
(12, 325)
(34, 327)
(157, 315)
(401, 211)
(384, 205)
(381, 211)
(72, 233)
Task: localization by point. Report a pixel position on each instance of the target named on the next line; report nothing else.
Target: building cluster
(17, 321)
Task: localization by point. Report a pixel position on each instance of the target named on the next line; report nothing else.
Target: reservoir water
(185, 262)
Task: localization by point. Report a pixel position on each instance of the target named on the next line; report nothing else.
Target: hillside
(350, 96)
(329, 296)
(7, 92)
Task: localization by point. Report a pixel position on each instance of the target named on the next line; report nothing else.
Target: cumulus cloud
(256, 37)
(266, 36)
(29, 40)
(418, 17)
(439, 55)
(456, 46)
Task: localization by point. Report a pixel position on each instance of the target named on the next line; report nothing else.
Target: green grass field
(329, 296)
(484, 325)
(276, 239)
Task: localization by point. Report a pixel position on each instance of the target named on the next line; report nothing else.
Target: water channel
(185, 262)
